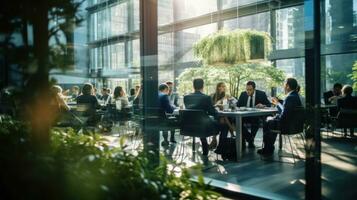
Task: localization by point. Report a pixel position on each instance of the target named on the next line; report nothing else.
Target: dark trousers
(270, 128)
(254, 127)
(172, 135)
(222, 129)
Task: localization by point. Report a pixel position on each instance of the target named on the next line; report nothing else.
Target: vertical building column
(149, 75)
(273, 36)
(312, 82)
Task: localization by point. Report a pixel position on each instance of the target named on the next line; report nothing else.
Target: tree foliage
(353, 76)
(230, 47)
(231, 57)
(234, 76)
(80, 166)
(17, 18)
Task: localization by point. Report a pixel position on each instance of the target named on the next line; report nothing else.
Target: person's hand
(274, 100)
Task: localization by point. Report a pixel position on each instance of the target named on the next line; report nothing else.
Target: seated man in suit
(347, 102)
(331, 97)
(200, 101)
(167, 107)
(174, 97)
(252, 98)
(291, 102)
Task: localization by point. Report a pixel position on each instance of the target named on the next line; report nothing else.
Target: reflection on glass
(338, 67)
(109, 22)
(290, 28)
(341, 18)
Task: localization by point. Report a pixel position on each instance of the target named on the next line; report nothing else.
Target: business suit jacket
(260, 98)
(347, 102)
(327, 95)
(200, 101)
(287, 111)
(165, 104)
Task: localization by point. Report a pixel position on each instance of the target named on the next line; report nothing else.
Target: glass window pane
(119, 19)
(260, 22)
(136, 15)
(341, 21)
(165, 49)
(165, 11)
(338, 67)
(290, 28)
(234, 3)
(293, 68)
(188, 8)
(186, 38)
(136, 53)
(117, 56)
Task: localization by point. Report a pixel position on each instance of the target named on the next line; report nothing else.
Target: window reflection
(290, 28)
(340, 21)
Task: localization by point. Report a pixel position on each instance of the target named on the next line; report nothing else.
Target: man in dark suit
(291, 102)
(331, 97)
(347, 102)
(200, 101)
(166, 107)
(173, 96)
(252, 98)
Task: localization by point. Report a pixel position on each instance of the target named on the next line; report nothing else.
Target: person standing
(252, 98)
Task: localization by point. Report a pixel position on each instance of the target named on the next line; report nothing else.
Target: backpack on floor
(229, 151)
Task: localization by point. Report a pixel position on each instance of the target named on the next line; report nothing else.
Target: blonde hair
(56, 89)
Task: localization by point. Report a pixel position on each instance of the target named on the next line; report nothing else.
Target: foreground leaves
(85, 167)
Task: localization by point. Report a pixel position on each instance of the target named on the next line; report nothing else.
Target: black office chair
(196, 123)
(87, 117)
(346, 118)
(294, 126)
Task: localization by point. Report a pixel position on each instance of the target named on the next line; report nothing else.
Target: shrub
(85, 167)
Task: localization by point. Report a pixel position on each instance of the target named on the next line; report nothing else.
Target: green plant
(232, 57)
(353, 76)
(231, 47)
(234, 76)
(85, 167)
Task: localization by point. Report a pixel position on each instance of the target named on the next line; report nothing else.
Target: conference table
(238, 114)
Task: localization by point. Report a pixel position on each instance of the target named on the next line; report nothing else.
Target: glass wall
(113, 48)
(289, 28)
(259, 22)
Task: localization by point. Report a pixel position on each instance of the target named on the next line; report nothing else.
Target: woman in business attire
(119, 95)
(58, 99)
(219, 99)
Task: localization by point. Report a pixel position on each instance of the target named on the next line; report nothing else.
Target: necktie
(251, 101)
